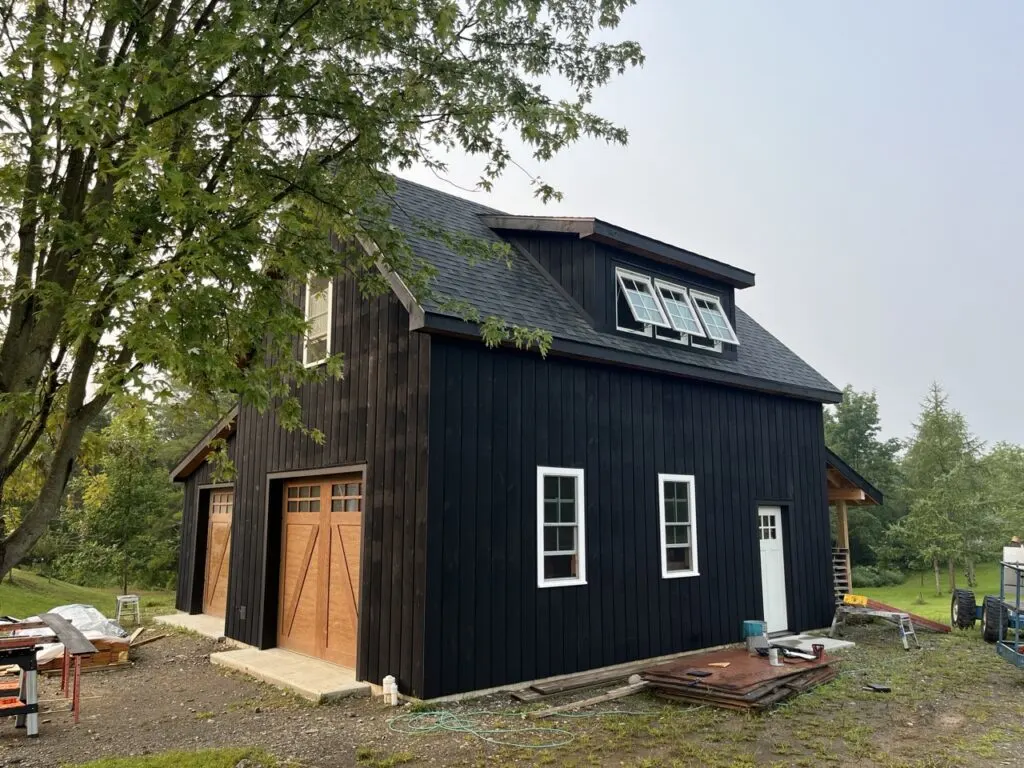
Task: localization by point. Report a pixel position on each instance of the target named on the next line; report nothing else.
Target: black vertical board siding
(495, 546)
(597, 553)
(518, 562)
(377, 415)
(484, 562)
(742, 448)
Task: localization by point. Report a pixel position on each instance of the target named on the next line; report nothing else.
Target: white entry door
(773, 568)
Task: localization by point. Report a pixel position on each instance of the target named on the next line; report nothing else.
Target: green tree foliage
(951, 518)
(169, 171)
(853, 431)
(126, 528)
(1003, 472)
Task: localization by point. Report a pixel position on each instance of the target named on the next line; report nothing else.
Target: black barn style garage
(478, 517)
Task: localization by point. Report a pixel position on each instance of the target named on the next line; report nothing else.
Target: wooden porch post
(843, 536)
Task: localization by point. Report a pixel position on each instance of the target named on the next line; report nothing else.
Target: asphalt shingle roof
(520, 294)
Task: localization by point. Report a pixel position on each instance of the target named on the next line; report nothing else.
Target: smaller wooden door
(218, 551)
(773, 568)
(321, 543)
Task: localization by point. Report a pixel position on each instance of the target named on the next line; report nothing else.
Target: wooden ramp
(919, 621)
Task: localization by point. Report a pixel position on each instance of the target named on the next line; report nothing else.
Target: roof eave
(627, 240)
(833, 460)
(451, 326)
(197, 455)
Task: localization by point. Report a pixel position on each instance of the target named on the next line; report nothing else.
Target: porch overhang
(846, 488)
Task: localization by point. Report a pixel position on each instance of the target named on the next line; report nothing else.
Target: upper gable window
(317, 342)
(637, 308)
(714, 318)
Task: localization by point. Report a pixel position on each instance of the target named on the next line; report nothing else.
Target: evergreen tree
(950, 518)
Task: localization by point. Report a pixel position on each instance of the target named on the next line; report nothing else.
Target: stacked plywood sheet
(744, 682)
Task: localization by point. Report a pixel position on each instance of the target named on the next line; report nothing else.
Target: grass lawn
(913, 597)
(207, 758)
(31, 594)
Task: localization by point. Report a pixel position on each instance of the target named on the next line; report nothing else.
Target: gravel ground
(173, 698)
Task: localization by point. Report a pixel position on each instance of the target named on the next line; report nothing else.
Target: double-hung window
(317, 342)
(678, 522)
(561, 544)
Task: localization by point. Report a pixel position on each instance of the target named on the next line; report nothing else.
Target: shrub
(874, 576)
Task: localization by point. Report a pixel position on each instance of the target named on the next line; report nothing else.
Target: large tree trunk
(952, 574)
(972, 581)
(938, 576)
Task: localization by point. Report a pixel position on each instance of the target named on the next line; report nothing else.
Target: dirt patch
(954, 704)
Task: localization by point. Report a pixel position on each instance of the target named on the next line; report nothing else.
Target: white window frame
(330, 322)
(684, 338)
(660, 285)
(581, 538)
(717, 345)
(691, 507)
(710, 297)
(646, 282)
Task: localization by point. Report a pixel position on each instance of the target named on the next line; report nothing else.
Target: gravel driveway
(173, 698)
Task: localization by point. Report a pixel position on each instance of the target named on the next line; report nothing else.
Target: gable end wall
(377, 416)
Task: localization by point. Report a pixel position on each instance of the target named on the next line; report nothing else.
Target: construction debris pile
(735, 679)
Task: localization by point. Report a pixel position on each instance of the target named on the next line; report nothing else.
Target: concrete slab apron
(200, 623)
(310, 678)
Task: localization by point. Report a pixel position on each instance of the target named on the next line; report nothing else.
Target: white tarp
(84, 618)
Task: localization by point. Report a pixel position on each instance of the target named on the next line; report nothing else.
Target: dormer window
(670, 312)
(714, 319)
(680, 310)
(636, 292)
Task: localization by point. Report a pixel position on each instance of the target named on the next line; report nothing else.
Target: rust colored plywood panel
(218, 552)
(322, 536)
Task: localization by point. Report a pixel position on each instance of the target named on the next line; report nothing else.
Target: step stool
(128, 605)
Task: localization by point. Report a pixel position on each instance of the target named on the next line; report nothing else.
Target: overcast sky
(865, 160)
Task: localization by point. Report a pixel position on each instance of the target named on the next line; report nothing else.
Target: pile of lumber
(110, 652)
(736, 680)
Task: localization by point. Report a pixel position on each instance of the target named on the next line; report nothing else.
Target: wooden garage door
(321, 540)
(218, 551)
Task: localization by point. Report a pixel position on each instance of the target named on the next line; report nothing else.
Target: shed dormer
(628, 283)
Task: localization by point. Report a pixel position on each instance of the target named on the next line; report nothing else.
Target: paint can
(773, 657)
(818, 649)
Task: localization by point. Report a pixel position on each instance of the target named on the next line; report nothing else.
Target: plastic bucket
(754, 628)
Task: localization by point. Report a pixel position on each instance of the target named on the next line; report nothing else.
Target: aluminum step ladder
(907, 633)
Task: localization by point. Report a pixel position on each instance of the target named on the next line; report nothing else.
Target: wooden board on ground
(579, 681)
(148, 640)
(618, 693)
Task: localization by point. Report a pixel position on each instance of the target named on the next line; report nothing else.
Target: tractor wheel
(993, 617)
(961, 609)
